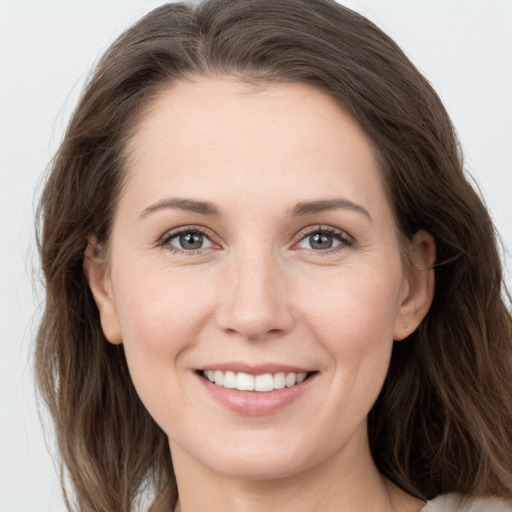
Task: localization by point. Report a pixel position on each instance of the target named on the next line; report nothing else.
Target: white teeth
(290, 380)
(301, 377)
(229, 380)
(279, 380)
(264, 382)
(246, 382)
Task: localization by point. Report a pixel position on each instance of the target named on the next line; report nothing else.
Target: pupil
(191, 241)
(321, 241)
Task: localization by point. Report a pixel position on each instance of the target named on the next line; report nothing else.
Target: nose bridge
(254, 301)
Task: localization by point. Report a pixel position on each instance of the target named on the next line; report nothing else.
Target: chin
(261, 466)
(253, 456)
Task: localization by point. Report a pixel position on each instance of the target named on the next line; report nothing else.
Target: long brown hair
(443, 421)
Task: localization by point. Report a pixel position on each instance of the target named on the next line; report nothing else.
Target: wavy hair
(443, 421)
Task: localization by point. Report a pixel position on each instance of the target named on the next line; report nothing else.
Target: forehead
(211, 106)
(224, 138)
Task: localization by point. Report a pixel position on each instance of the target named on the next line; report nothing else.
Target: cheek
(356, 307)
(159, 310)
(353, 318)
(161, 317)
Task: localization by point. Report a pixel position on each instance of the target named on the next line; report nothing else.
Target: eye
(188, 240)
(324, 239)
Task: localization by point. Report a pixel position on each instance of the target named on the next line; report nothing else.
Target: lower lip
(256, 403)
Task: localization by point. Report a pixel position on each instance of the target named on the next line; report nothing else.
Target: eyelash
(193, 230)
(342, 237)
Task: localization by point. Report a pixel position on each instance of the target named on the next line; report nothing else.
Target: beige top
(457, 503)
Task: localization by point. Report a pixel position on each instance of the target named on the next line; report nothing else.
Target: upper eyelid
(322, 228)
(172, 233)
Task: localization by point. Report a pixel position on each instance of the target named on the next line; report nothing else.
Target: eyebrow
(300, 209)
(307, 208)
(189, 205)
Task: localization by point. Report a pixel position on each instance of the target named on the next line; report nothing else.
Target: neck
(347, 482)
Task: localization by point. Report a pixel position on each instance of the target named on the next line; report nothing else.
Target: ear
(98, 277)
(419, 287)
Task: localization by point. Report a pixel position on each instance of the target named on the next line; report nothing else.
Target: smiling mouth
(261, 383)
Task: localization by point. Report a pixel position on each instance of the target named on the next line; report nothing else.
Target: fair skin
(253, 235)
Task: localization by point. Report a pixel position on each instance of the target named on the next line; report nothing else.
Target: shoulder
(457, 503)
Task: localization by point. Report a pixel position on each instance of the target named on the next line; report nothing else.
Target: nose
(255, 303)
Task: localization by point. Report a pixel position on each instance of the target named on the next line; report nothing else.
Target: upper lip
(255, 369)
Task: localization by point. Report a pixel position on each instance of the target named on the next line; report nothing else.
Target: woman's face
(254, 245)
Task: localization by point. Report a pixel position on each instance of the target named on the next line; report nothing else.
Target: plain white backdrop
(464, 47)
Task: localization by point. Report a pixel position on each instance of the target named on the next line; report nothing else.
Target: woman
(269, 283)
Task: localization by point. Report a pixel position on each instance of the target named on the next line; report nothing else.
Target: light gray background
(46, 50)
